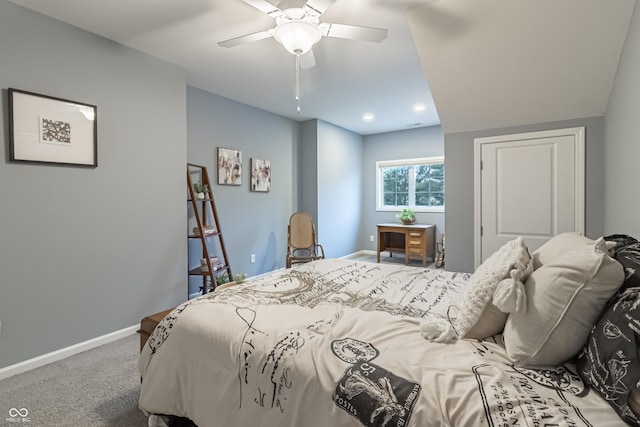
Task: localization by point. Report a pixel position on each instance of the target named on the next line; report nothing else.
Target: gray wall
(339, 189)
(251, 222)
(85, 252)
(407, 144)
(622, 142)
(337, 176)
(308, 169)
(459, 185)
(330, 184)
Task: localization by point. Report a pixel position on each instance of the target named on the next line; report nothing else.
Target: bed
(343, 343)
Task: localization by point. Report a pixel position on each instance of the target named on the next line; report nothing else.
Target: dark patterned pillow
(610, 362)
(624, 243)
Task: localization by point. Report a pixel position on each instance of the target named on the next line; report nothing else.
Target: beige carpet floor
(98, 387)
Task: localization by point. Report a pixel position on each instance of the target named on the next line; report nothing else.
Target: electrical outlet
(253, 258)
(371, 238)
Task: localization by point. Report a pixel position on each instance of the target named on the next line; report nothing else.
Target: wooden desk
(416, 241)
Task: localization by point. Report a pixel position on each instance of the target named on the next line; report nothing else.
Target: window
(414, 183)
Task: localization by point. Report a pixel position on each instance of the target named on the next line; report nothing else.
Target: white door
(529, 185)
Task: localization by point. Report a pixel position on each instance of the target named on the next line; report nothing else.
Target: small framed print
(260, 175)
(229, 166)
(44, 129)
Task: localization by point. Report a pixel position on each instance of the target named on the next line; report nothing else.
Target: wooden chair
(440, 255)
(302, 244)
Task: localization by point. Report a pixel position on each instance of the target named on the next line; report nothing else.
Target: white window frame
(404, 162)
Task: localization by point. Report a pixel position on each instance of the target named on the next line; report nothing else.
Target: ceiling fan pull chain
(298, 82)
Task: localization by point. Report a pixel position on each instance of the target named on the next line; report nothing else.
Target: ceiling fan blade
(266, 7)
(353, 32)
(248, 38)
(308, 60)
(317, 7)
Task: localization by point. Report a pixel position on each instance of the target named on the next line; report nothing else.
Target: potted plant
(407, 216)
(221, 279)
(200, 189)
(239, 278)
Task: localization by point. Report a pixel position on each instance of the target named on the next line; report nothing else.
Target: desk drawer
(415, 239)
(415, 243)
(415, 251)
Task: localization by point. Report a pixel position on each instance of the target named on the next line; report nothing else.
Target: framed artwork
(260, 175)
(44, 129)
(229, 166)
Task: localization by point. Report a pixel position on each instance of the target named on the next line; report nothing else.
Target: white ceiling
(501, 63)
(490, 63)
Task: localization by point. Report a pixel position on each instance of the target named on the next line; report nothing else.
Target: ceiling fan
(298, 28)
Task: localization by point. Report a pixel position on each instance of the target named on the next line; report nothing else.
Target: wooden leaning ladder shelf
(204, 211)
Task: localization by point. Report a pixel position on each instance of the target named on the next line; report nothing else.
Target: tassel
(437, 330)
(509, 296)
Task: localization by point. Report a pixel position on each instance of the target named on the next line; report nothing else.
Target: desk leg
(424, 251)
(379, 246)
(406, 247)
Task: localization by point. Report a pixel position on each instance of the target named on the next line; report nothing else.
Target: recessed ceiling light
(368, 117)
(419, 108)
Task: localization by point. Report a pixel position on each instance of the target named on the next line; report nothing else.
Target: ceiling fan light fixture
(297, 37)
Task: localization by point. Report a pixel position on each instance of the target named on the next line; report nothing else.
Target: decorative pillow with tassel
(503, 272)
(495, 289)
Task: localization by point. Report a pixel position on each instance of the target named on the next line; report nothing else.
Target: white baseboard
(362, 252)
(63, 353)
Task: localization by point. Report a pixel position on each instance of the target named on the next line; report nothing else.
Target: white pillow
(565, 296)
(478, 317)
(491, 322)
(558, 246)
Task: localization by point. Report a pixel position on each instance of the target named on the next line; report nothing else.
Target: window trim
(403, 162)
